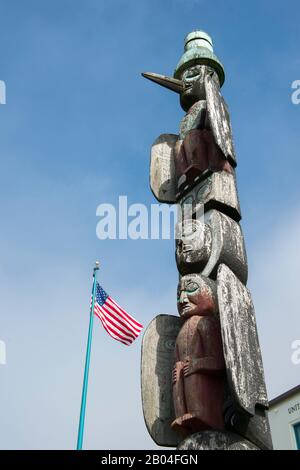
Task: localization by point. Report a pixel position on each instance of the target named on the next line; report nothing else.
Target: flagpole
(87, 364)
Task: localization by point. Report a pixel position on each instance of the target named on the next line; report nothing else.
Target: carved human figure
(196, 150)
(198, 374)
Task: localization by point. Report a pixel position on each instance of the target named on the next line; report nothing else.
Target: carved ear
(214, 76)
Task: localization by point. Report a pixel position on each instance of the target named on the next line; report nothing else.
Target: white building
(284, 417)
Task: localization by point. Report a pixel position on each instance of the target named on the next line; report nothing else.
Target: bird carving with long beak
(191, 87)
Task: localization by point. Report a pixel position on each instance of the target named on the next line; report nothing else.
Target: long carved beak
(170, 83)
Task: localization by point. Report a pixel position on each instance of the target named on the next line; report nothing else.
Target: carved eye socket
(191, 74)
(189, 234)
(192, 287)
(179, 244)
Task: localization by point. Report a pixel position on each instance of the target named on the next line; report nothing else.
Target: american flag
(118, 323)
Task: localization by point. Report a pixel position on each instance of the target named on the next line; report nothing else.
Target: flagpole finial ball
(97, 264)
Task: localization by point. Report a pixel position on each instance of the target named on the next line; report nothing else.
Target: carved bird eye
(192, 73)
(192, 76)
(192, 287)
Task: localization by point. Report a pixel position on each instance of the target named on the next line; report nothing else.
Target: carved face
(193, 246)
(196, 296)
(194, 87)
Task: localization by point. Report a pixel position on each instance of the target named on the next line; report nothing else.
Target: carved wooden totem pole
(202, 376)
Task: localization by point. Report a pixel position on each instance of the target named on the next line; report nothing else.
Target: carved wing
(219, 119)
(156, 376)
(240, 342)
(162, 168)
(227, 246)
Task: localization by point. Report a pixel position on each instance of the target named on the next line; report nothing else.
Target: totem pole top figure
(179, 160)
(197, 61)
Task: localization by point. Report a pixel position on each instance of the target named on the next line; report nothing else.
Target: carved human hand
(191, 366)
(205, 365)
(176, 372)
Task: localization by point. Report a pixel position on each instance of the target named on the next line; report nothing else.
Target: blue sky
(76, 132)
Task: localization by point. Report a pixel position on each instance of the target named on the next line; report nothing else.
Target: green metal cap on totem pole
(198, 50)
